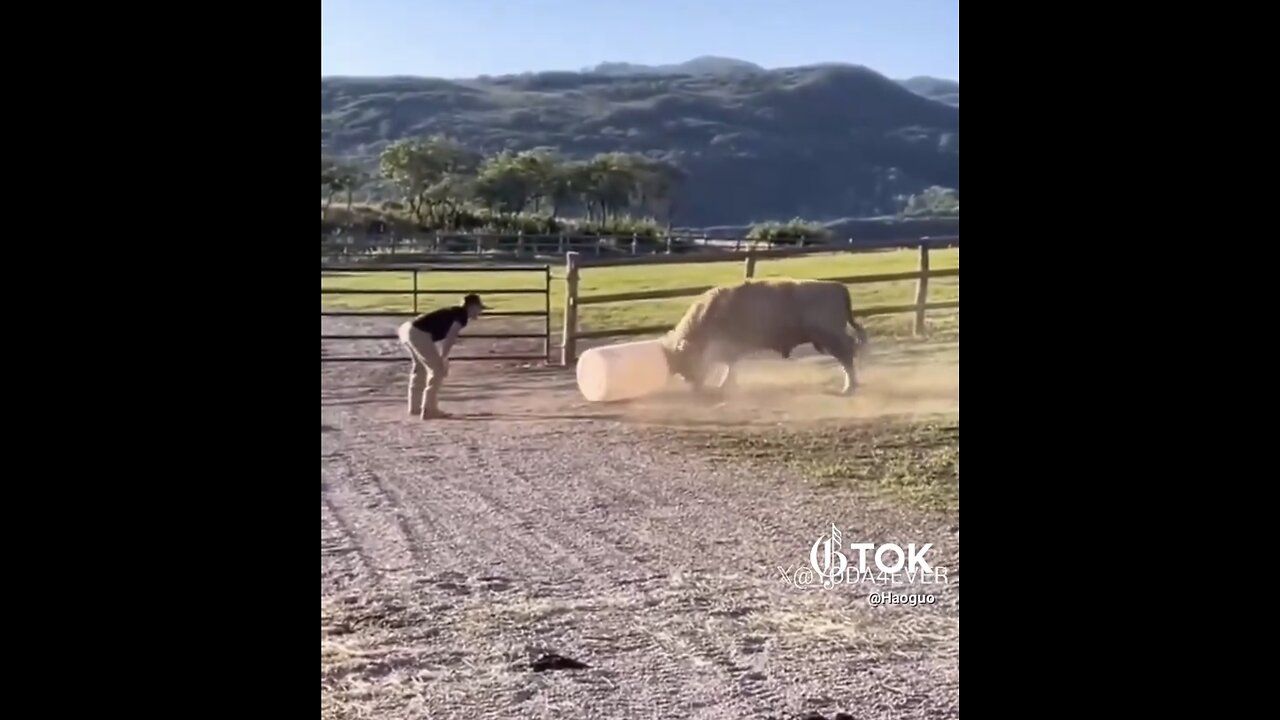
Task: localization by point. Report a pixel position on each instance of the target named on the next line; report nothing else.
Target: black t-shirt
(437, 322)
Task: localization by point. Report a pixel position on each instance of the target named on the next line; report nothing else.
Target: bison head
(700, 367)
(685, 361)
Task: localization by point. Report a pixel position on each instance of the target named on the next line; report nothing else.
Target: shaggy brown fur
(731, 321)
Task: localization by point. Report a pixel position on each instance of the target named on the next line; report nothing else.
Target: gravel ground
(454, 553)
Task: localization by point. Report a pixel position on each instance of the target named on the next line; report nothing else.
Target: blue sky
(465, 38)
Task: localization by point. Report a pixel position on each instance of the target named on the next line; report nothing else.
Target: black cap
(474, 299)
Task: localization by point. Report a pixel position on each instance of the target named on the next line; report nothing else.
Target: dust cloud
(899, 382)
(770, 390)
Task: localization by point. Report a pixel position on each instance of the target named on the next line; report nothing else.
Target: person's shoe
(434, 414)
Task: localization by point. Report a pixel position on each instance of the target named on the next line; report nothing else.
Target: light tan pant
(428, 370)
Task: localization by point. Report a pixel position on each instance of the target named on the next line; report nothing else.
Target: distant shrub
(788, 232)
(935, 201)
(619, 226)
(482, 220)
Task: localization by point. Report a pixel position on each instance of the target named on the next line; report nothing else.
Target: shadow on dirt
(354, 401)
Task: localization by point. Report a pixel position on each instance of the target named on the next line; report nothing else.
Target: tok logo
(827, 560)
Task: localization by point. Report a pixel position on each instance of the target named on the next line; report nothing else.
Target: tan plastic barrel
(622, 372)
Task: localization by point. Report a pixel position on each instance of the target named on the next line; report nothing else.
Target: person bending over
(431, 366)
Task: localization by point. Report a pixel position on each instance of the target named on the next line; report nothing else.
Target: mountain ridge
(820, 141)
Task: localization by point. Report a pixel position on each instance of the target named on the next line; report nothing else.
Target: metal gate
(412, 308)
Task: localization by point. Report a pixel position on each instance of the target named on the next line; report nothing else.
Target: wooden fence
(433, 248)
(544, 271)
(575, 264)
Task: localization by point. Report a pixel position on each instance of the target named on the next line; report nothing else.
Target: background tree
(445, 185)
(453, 168)
(328, 182)
(428, 173)
(611, 180)
(406, 163)
(658, 182)
(347, 179)
(539, 169)
(505, 183)
(934, 201)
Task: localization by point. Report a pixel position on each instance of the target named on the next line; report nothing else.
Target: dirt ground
(455, 552)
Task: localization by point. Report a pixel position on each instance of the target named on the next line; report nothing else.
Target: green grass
(600, 281)
(912, 463)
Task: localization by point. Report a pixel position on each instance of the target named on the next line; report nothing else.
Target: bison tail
(860, 333)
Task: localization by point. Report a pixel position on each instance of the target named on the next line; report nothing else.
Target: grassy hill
(819, 142)
(942, 90)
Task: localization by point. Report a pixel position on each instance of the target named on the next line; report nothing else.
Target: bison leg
(704, 390)
(720, 354)
(697, 384)
(697, 379)
(730, 378)
(841, 348)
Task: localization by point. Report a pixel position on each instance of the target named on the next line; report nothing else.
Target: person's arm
(449, 340)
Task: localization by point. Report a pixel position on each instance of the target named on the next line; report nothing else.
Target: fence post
(569, 339)
(634, 243)
(751, 264)
(546, 304)
(922, 289)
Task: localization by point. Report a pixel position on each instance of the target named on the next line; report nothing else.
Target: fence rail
(573, 300)
(379, 313)
(393, 336)
(607, 248)
(415, 291)
(669, 293)
(397, 359)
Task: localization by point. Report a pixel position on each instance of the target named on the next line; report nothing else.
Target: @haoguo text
(891, 598)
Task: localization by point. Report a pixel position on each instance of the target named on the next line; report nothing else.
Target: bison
(729, 322)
